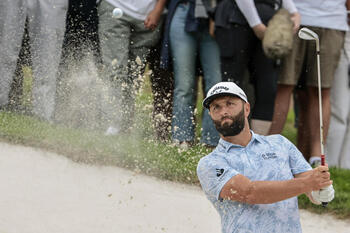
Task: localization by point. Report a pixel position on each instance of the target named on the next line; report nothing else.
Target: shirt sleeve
(209, 6)
(213, 173)
(249, 11)
(289, 6)
(297, 161)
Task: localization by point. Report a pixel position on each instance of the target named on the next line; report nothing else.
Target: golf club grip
(323, 162)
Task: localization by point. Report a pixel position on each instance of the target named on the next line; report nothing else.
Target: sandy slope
(41, 192)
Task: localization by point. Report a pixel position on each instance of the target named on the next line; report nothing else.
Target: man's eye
(215, 108)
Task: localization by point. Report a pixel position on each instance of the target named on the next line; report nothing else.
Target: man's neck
(243, 138)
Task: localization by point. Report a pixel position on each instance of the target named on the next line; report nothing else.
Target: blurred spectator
(239, 28)
(162, 83)
(125, 45)
(328, 19)
(338, 140)
(16, 95)
(46, 26)
(81, 30)
(186, 37)
(76, 98)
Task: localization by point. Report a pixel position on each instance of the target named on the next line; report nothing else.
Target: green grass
(132, 151)
(138, 150)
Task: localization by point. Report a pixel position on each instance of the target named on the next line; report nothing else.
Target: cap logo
(219, 89)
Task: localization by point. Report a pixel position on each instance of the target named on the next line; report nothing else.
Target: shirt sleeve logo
(219, 172)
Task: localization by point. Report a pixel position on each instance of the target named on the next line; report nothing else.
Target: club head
(307, 34)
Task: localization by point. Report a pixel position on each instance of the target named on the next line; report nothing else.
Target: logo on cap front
(219, 89)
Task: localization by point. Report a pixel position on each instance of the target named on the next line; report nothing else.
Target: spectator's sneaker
(185, 145)
(111, 131)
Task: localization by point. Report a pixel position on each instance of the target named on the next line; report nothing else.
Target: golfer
(252, 180)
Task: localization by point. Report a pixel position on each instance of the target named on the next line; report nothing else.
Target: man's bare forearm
(240, 188)
(266, 192)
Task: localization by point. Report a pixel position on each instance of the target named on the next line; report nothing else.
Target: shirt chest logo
(269, 156)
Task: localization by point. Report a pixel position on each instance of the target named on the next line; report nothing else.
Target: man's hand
(259, 30)
(152, 19)
(323, 195)
(318, 178)
(296, 21)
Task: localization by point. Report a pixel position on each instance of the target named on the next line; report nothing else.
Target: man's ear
(246, 109)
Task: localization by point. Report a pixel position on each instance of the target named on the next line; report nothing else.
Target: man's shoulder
(213, 156)
(208, 157)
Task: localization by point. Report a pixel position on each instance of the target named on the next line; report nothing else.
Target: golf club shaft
(320, 99)
(323, 162)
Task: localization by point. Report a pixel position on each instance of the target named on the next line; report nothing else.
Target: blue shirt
(323, 13)
(264, 158)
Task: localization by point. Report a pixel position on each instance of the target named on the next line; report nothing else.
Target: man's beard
(232, 129)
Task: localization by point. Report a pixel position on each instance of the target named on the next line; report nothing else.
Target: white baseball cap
(223, 89)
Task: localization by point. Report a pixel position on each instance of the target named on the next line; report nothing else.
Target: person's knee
(285, 89)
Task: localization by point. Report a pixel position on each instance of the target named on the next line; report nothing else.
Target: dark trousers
(81, 31)
(16, 91)
(162, 82)
(240, 50)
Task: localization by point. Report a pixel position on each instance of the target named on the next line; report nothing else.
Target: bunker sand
(43, 192)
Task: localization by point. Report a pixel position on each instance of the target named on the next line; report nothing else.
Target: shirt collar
(226, 146)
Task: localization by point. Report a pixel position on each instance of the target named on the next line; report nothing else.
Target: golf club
(307, 34)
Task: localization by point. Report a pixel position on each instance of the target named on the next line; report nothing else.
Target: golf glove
(323, 195)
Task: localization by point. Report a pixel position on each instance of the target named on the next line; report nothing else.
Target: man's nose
(224, 111)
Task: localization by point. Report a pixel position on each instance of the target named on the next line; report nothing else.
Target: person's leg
(81, 35)
(210, 61)
(12, 24)
(162, 90)
(339, 113)
(264, 76)
(183, 49)
(288, 78)
(24, 59)
(345, 152)
(281, 108)
(303, 133)
(115, 41)
(79, 61)
(331, 43)
(141, 42)
(345, 158)
(313, 118)
(46, 32)
(235, 46)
